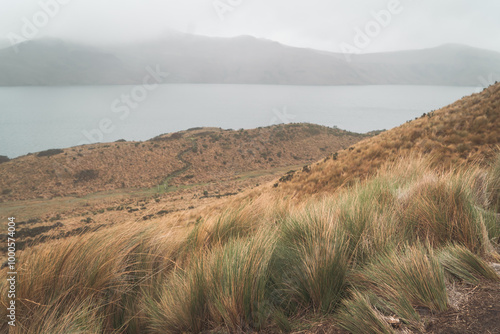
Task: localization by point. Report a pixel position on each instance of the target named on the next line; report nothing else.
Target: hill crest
(463, 132)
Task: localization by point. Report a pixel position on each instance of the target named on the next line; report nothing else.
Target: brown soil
(479, 313)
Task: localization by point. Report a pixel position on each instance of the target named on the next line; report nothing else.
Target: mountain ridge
(239, 60)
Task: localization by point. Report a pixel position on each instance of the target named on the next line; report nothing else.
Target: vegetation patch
(49, 153)
(86, 175)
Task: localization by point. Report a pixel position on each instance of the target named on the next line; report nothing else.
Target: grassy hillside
(188, 157)
(463, 132)
(388, 250)
(395, 249)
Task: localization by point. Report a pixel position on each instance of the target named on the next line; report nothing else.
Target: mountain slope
(54, 62)
(450, 64)
(239, 60)
(463, 132)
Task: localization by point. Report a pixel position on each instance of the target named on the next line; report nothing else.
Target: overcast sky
(320, 24)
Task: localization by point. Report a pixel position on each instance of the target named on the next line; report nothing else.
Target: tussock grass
(414, 272)
(359, 316)
(238, 277)
(312, 262)
(179, 303)
(366, 218)
(461, 263)
(79, 317)
(493, 186)
(105, 269)
(228, 226)
(441, 210)
(228, 287)
(378, 248)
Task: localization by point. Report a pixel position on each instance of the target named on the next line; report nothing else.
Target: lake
(38, 118)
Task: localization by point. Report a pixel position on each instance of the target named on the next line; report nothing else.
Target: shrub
(86, 175)
(49, 153)
(3, 159)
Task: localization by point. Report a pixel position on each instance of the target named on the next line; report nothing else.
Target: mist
(317, 24)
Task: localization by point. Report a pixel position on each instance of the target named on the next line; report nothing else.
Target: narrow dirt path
(185, 168)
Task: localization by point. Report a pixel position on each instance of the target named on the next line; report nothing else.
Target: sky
(361, 26)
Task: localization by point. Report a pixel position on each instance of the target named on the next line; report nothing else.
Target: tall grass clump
(179, 303)
(442, 209)
(493, 188)
(359, 316)
(414, 273)
(366, 215)
(104, 268)
(228, 288)
(378, 248)
(461, 263)
(232, 224)
(238, 282)
(77, 269)
(311, 263)
(80, 316)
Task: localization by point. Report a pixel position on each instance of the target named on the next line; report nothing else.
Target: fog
(320, 24)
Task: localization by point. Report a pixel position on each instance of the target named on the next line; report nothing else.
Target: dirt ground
(479, 313)
(476, 310)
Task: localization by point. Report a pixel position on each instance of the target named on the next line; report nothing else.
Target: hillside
(239, 60)
(461, 133)
(194, 156)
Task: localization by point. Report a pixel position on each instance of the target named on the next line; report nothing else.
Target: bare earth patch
(479, 312)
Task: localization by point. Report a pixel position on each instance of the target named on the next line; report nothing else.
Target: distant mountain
(240, 60)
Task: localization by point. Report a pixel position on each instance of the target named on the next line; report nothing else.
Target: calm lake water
(38, 118)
